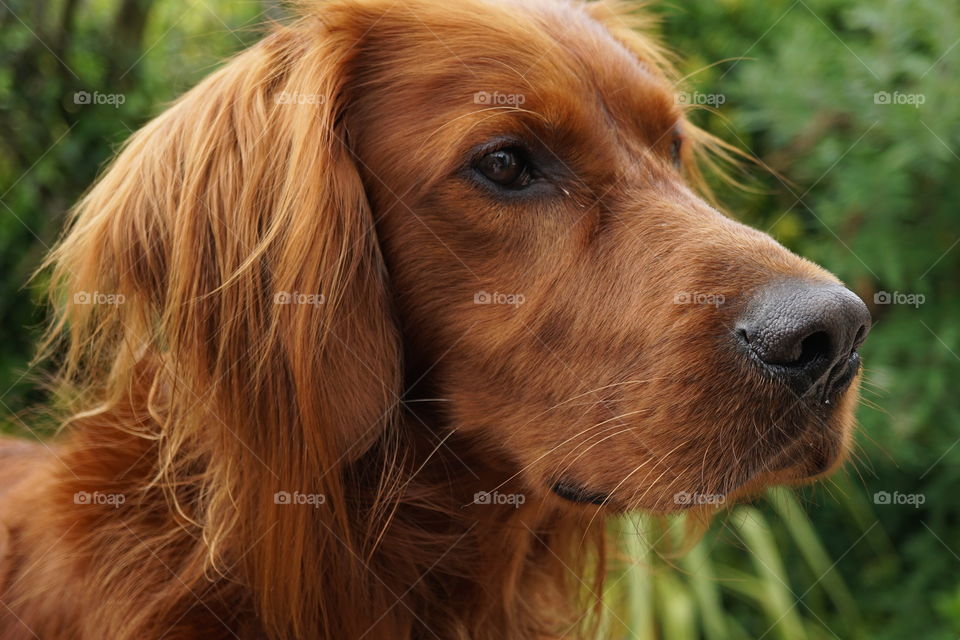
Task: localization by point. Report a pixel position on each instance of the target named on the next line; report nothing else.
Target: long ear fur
(249, 305)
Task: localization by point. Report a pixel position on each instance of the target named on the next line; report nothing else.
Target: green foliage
(744, 579)
(865, 186)
(76, 78)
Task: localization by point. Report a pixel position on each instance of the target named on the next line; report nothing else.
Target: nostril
(788, 348)
(815, 346)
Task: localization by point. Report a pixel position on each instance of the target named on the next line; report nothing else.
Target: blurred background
(854, 106)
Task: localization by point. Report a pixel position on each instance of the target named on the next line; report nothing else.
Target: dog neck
(418, 538)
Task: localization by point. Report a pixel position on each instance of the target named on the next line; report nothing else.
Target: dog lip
(841, 376)
(579, 494)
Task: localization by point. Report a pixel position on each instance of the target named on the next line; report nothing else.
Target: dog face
(580, 310)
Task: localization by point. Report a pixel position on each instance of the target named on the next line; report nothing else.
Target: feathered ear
(230, 252)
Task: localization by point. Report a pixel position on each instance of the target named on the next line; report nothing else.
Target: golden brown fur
(328, 160)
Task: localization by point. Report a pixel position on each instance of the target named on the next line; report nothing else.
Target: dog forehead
(605, 74)
(567, 42)
(556, 57)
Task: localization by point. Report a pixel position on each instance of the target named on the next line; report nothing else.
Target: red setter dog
(365, 335)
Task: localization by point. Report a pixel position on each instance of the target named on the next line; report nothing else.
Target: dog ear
(234, 235)
(237, 250)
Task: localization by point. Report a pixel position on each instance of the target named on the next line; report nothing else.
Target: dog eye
(676, 148)
(505, 167)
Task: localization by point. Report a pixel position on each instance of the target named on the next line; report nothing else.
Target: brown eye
(505, 167)
(676, 151)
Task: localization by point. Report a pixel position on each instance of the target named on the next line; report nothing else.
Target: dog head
(560, 285)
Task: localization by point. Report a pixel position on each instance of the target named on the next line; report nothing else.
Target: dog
(368, 333)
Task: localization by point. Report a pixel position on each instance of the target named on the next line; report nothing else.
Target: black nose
(806, 334)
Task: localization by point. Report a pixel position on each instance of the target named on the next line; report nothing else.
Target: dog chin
(810, 461)
(811, 458)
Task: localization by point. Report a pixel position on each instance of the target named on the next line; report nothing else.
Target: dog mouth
(578, 494)
(803, 441)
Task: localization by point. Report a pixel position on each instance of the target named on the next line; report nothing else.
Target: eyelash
(502, 145)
